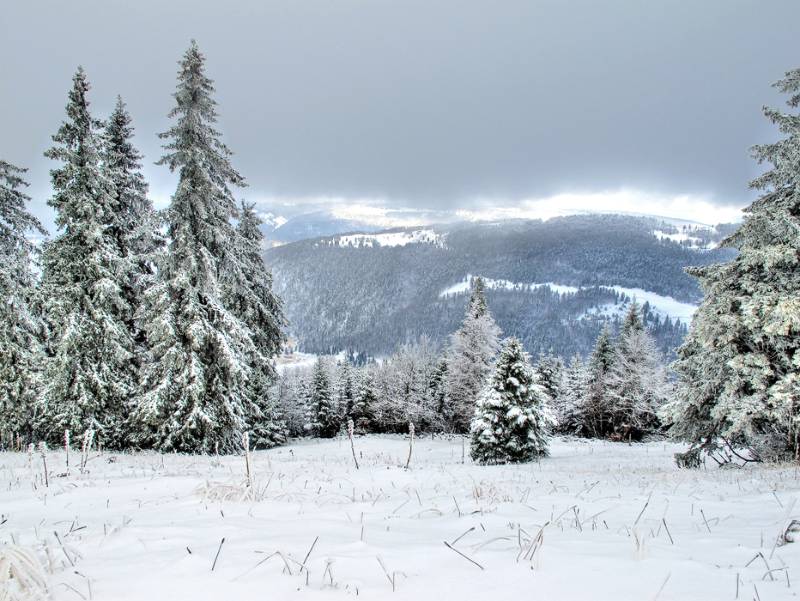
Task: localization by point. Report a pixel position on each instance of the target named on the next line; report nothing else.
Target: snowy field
(595, 521)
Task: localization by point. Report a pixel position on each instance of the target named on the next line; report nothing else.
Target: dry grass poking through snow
(594, 521)
(21, 575)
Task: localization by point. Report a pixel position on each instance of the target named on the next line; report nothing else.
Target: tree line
(617, 394)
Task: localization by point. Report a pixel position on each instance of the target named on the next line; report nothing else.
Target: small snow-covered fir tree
(595, 406)
(469, 359)
(636, 381)
(20, 346)
(90, 373)
(268, 427)
(569, 408)
(739, 367)
(512, 420)
(324, 420)
(196, 395)
(366, 398)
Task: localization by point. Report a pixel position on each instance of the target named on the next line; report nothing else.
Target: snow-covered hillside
(597, 520)
(371, 292)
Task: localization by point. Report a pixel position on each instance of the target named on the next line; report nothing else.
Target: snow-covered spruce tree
(404, 381)
(345, 391)
(90, 375)
(469, 359)
(550, 371)
(594, 410)
(437, 393)
(249, 296)
(512, 420)
(269, 428)
(287, 393)
(569, 408)
(20, 327)
(739, 367)
(366, 398)
(133, 223)
(324, 421)
(636, 381)
(302, 402)
(195, 394)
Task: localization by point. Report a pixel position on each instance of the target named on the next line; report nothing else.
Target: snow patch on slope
(466, 284)
(679, 237)
(388, 239)
(682, 237)
(666, 306)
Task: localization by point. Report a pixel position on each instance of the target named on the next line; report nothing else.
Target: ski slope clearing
(465, 285)
(597, 520)
(389, 239)
(666, 306)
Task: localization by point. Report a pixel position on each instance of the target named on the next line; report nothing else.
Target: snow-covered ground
(296, 360)
(595, 521)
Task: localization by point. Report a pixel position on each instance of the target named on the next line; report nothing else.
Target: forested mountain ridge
(370, 292)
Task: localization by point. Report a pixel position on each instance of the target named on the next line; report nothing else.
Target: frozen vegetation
(595, 520)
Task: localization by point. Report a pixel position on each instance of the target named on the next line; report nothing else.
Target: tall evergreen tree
(595, 405)
(512, 419)
(250, 293)
(249, 296)
(569, 408)
(437, 391)
(345, 393)
(470, 357)
(550, 372)
(133, 224)
(636, 382)
(20, 347)
(739, 367)
(89, 375)
(366, 398)
(324, 420)
(195, 387)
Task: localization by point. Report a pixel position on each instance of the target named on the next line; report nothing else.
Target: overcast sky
(447, 104)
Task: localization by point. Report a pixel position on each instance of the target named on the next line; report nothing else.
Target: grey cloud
(424, 103)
